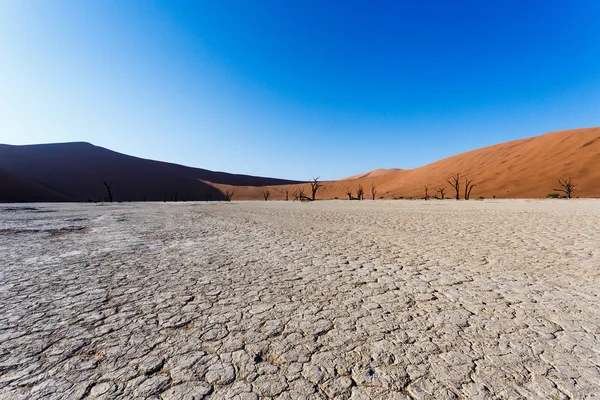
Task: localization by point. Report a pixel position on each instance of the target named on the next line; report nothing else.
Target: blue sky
(296, 89)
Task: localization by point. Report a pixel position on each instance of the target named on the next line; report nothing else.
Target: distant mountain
(75, 172)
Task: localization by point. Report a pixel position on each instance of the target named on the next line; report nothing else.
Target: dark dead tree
(349, 193)
(295, 194)
(567, 186)
(360, 193)
(108, 185)
(468, 187)
(441, 192)
(301, 195)
(426, 192)
(287, 194)
(314, 186)
(373, 191)
(228, 195)
(454, 181)
(266, 194)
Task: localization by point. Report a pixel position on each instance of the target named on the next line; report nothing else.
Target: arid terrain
(244, 300)
(526, 168)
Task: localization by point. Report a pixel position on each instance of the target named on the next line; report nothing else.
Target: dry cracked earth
(284, 300)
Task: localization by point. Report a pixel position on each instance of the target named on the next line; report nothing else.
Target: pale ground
(336, 299)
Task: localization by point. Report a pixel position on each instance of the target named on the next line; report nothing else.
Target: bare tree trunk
(360, 193)
(426, 192)
(349, 194)
(301, 195)
(373, 191)
(108, 185)
(567, 186)
(314, 186)
(441, 192)
(468, 187)
(454, 181)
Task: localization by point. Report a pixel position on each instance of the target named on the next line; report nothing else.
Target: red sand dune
(374, 173)
(526, 168)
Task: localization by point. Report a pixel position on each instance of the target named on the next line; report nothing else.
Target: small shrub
(552, 196)
(481, 198)
(382, 197)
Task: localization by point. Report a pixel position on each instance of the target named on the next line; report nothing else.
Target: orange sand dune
(374, 173)
(526, 168)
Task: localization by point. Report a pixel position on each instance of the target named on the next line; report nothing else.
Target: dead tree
(314, 186)
(349, 194)
(228, 195)
(468, 187)
(360, 193)
(373, 191)
(566, 186)
(108, 185)
(426, 192)
(300, 194)
(287, 194)
(266, 194)
(454, 181)
(441, 192)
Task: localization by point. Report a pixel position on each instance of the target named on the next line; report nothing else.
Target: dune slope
(526, 168)
(76, 171)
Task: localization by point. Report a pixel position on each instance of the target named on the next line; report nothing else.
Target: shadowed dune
(75, 171)
(16, 188)
(526, 168)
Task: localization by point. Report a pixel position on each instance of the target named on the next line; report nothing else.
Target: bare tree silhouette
(373, 191)
(266, 194)
(228, 194)
(314, 187)
(441, 192)
(426, 192)
(567, 186)
(299, 194)
(360, 192)
(108, 185)
(454, 181)
(349, 193)
(468, 187)
(287, 194)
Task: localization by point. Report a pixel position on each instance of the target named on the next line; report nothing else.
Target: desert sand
(288, 300)
(526, 168)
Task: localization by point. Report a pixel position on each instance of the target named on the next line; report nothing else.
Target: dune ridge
(525, 168)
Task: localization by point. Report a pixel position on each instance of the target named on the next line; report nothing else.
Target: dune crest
(525, 168)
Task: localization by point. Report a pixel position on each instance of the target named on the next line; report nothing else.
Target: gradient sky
(296, 89)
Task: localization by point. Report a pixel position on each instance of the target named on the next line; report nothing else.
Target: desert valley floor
(332, 299)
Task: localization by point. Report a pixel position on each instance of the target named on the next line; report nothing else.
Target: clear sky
(296, 89)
